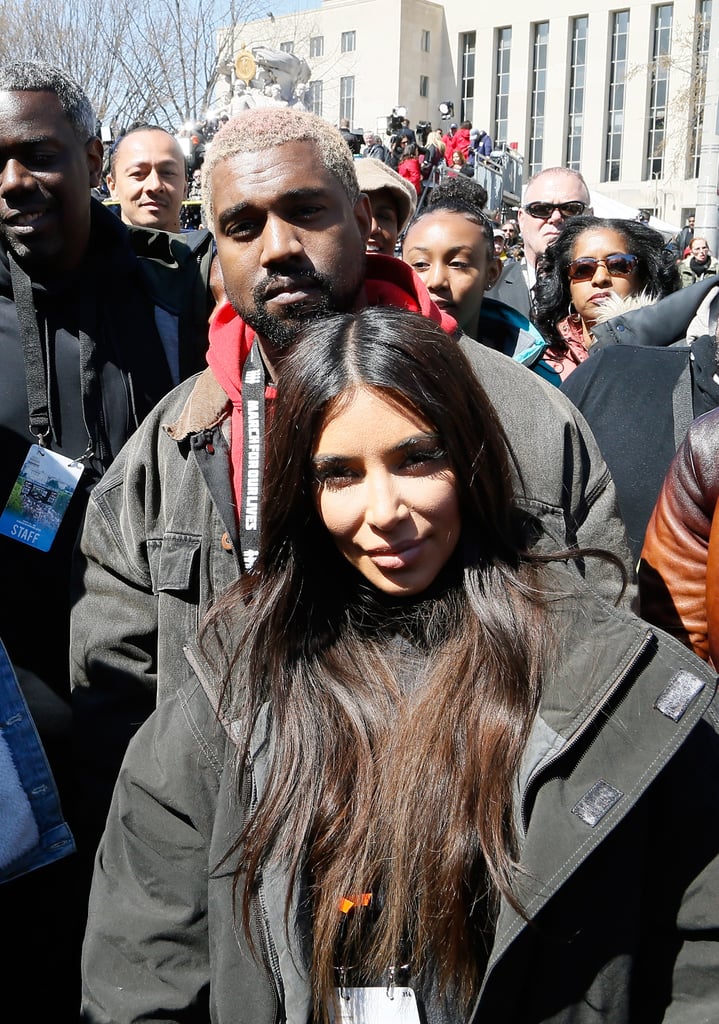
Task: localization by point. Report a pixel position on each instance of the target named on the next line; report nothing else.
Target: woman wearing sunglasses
(594, 263)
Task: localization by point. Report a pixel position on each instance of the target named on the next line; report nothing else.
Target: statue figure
(268, 78)
(241, 99)
(285, 69)
(301, 90)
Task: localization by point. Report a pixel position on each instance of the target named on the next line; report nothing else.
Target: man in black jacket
(81, 363)
(147, 178)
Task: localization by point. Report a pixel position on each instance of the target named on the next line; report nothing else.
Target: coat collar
(614, 711)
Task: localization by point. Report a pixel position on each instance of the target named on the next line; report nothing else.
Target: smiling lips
(399, 556)
(26, 219)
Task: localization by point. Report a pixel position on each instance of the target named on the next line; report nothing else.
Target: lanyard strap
(35, 379)
(37, 369)
(253, 448)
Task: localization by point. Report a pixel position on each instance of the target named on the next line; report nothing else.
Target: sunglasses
(619, 264)
(543, 211)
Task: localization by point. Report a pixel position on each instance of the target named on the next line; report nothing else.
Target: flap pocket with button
(178, 556)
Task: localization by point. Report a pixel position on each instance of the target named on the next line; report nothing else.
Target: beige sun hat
(373, 175)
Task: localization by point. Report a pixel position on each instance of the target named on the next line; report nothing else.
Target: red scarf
(388, 282)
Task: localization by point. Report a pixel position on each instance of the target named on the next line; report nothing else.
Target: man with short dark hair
(81, 363)
(353, 140)
(177, 520)
(147, 178)
(684, 237)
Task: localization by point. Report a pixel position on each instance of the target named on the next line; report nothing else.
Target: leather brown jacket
(679, 569)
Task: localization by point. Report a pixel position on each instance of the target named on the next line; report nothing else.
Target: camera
(395, 119)
(422, 130)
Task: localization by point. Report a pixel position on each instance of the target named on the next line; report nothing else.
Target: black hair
(658, 273)
(463, 196)
(139, 127)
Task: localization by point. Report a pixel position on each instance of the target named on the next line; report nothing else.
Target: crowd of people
(367, 666)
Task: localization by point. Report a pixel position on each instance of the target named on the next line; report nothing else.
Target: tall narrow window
(349, 41)
(347, 98)
(615, 106)
(577, 85)
(501, 87)
(468, 42)
(539, 93)
(424, 85)
(656, 134)
(425, 40)
(288, 47)
(314, 98)
(317, 46)
(697, 86)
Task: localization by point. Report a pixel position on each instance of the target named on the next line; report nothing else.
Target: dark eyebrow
(163, 165)
(407, 442)
(450, 252)
(36, 140)
(292, 195)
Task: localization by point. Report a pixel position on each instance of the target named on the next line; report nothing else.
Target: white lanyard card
(385, 1005)
(40, 497)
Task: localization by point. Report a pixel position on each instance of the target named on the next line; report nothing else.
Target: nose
(601, 277)
(385, 505)
(556, 217)
(435, 277)
(154, 182)
(279, 242)
(15, 175)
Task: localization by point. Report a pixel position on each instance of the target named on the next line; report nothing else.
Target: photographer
(353, 140)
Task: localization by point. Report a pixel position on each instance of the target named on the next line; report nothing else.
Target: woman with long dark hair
(425, 774)
(592, 264)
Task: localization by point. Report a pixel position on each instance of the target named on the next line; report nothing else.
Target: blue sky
(291, 6)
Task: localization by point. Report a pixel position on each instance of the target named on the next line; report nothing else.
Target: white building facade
(615, 91)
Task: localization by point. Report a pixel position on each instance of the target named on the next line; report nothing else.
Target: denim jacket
(160, 543)
(33, 832)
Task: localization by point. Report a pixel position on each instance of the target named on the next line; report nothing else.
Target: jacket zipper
(269, 953)
(576, 736)
(272, 960)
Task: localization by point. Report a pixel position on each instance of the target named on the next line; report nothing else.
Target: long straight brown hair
(391, 772)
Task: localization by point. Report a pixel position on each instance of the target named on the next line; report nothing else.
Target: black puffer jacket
(106, 301)
(650, 372)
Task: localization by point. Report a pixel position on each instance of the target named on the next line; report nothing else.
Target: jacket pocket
(175, 561)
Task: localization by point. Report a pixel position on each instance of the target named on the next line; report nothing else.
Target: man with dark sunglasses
(551, 198)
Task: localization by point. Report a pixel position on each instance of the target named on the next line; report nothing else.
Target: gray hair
(263, 129)
(566, 172)
(37, 76)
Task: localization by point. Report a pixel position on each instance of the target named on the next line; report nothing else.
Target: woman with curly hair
(422, 773)
(593, 263)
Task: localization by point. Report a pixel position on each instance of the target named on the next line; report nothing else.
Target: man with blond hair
(178, 518)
